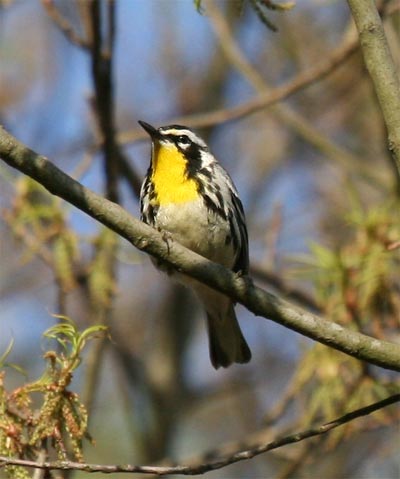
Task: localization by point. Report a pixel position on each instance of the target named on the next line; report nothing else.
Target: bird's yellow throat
(170, 180)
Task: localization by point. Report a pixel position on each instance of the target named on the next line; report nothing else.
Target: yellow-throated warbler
(188, 194)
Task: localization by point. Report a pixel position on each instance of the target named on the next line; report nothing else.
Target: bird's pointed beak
(153, 132)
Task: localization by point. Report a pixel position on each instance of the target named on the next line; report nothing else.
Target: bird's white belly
(197, 228)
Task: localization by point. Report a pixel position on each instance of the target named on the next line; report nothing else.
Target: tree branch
(210, 461)
(262, 100)
(149, 240)
(101, 56)
(63, 24)
(381, 68)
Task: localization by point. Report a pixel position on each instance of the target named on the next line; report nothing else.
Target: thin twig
(291, 118)
(104, 55)
(63, 24)
(211, 460)
(263, 100)
(102, 28)
(269, 97)
(101, 53)
(116, 164)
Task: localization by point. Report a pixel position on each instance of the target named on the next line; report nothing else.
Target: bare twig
(263, 100)
(115, 161)
(102, 37)
(292, 119)
(102, 73)
(63, 24)
(209, 461)
(101, 51)
(269, 97)
(240, 289)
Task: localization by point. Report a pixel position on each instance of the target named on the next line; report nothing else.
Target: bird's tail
(226, 341)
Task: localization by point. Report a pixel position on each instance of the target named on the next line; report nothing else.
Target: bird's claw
(167, 238)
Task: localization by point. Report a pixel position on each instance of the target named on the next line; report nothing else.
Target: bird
(190, 197)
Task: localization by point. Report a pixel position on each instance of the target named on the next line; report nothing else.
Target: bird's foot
(167, 238)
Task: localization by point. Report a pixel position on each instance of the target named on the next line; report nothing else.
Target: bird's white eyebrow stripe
(175, 132)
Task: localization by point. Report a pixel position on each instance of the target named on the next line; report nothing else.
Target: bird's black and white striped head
(181, 139)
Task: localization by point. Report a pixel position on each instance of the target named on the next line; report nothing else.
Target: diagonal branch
(290, 117)
(264, 99)
(241, 289)
(205, 464)
(64, 25)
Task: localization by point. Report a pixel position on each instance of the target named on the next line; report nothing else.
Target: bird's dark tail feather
(226, 341)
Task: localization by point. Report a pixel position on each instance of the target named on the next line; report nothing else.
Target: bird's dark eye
(183, 140)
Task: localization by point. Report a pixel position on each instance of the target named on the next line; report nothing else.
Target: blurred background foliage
(319, 191)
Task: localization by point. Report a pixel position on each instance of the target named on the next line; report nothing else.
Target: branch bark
(381, 68)
(207, 462)
(241, 289)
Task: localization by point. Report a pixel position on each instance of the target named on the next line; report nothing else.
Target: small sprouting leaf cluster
(357, 284)
(39, 220)
(44, 415)
(41, 223)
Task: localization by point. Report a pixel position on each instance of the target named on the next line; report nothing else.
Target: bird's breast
(197, 228)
